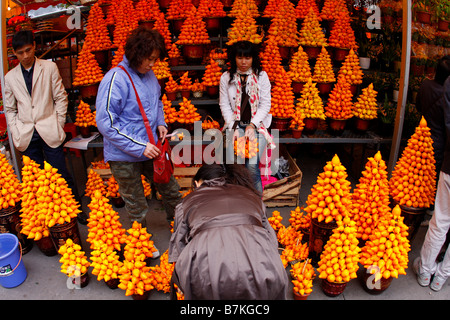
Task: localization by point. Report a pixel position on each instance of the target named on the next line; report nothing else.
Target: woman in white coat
(245, 101)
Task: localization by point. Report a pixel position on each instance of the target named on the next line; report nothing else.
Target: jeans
(39, 151)
(437, 231)
(252, 164)
(128, 177)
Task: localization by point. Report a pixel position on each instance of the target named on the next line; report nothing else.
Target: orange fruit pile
(105, 262)
(299, 68)
(388, 246)
(244, 27)
(88, 71)
(112, 188)
(170, 113)
(333, 8)
(284, 25)
(218, 54)
(342, 35)
(171, 85)
(162, 273)
(162, 25)
(74, 262)
(33, 225)
(245, 148)
(147, 186)
(11, 192)
(271, 59)
(275, 220)
(174, 51)
(299, 220)
(330, 197)
(297, 119)
(161, 69)
(103, 223)
(291, 239)
(302, 274)
(97, 36)
(138, 244)
(212, 74)
(303, 7)
(125, 21)
(197, 86)
(340, 256)
(351, 70)
(84, 117)
(282, 96)
(118, 56)
(370, 200)
(323, 69)
(211, 9)
(135, 277)
(187, 112)
(94, 183)
(210, 124)
(366, 106)
(185, 82)
(413, 181)
(310, 102)
(193, 30)
(245, 7)
(339, 104)
(311, 33)
(100, 164)
(271, 9)
(178, 9)
(147, 10)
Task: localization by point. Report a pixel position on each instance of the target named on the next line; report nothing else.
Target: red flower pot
(336, 126)
(443, 25)
(297, 86)
(193, 52)
(324, 88)
(296, 134)
(172, 96)
(423, 17)
(340, 54)
(311, 125)
(212, 91)
(312, 52)
(333, 289)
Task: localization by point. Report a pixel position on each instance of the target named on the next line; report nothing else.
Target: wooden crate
(184, 176)
(284, 192)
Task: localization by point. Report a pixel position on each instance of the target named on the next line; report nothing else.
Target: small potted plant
(443, 15)
(422, 9)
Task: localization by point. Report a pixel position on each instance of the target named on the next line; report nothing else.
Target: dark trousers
(39, 151)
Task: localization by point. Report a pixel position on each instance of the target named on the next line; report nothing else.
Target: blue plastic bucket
(12, 269)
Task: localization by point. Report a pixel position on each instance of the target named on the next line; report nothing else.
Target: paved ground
(45, 282)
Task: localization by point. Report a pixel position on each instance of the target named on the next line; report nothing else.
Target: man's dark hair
(22, 38)
(140, 45)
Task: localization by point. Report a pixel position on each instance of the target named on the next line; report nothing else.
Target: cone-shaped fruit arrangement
(161, 69)
(171, 85)
(366, 106)
(197, 86)
(323, 69)
(386, 251)
(187, 112)
(244, 27)
(103, 223)
(340, 257)
(351, 70)
(147, 186)
(299, 68)
(339, 104)
(88, 71)
(94, 183)
(125, 21)
(178, 9)
(118, 56)
(311, 34)
(105, 262)
(162, 273)
(284, 25)
(413, 181)
(97, 36)
(174, 51)
(11, 192)
(271, 59)
(211, 9)
(294, 249)
(282, 96)
(299, 220)
(342, 35)
(162, 26)
(245, 148)
(297, 119)
(112, 188)
(74, 262)
(310, 102)
(247, 6)
(170, 113)
(185, 82)
(332, 8)
(275, 220)
(330, 197)
(135, 277)
(193, 30)
(370, 199)
(212, 74)
(303, 7)
(147, 10)
(84, 117)
(303, 275)
(138, 243)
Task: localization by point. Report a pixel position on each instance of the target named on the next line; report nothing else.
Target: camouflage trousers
(128, 177)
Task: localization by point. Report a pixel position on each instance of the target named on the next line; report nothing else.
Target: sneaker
(422, 278)
(437, 283)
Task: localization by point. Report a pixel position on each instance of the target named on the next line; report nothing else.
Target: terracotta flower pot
(423, 17)
(324, 88)
(89, 91)
(174, 61)
(298, 296)
(186, 93)
(193, 52)
(361, 125)
(212, 91)
(312, 52)
(340, 54)
(212, 24)
(281, 124)
(296, 134)
(85, 132)
(297, 86)
(375, 287)
(336, 126)
(333, 289)
(311, 125)
(443, 25)
(172, 96)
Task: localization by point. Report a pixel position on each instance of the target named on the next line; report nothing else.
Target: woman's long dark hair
(233, 174)
(244, 49)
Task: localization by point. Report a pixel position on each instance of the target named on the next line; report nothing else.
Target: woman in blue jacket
(126, 144)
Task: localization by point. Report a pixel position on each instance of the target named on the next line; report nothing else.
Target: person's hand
(162, 130)
(250, 132)
(151, 151)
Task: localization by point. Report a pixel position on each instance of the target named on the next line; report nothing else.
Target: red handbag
(162, 165)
